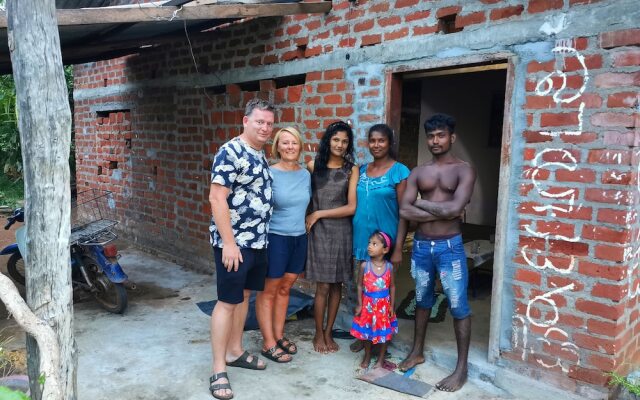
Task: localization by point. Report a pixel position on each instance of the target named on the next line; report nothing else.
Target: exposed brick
(561, 119)
(611, 312)
(538, 6)
(392, 20)
(601, 345)
(610, 253)
(616, 178)
(418, 15)
(604, 328)
(618, 217)
(334, 74)
(506, 12)
(446, 11)
(406, 3)
(579, 175)
(613, 119)
(527, 207)
(527, 276)
(562, 156)
(580, 212)
(536, 137)
(534, 102)
(537, 66)
(568, 248)
(555, 228)
(628, 37)
(592, 62)
(623, 99)
(579, 2)
(613, 273)
(590, 100)
(470, 19)
(610, 196)
(611, 292)
(612, 79)
(363, 26)
(619, 157)
(369, 40)
(593, 376)
(629, 58)
(585, 137)
(399, 34)
(605, 234)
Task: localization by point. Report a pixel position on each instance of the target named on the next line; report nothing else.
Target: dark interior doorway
(475, 96)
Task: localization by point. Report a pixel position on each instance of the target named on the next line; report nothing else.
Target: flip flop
(271, 355)
(290, 348)
(341, 334)
(242, 362)
(214, 387)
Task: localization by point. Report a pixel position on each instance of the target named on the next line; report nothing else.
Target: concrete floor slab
(159, 349)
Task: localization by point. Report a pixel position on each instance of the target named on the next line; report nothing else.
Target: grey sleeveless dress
(330, 239)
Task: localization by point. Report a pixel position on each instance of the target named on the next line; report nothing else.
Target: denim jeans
(445, 257)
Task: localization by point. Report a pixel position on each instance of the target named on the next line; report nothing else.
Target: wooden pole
(44, 121)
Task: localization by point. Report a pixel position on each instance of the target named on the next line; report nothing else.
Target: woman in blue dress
(380, 187)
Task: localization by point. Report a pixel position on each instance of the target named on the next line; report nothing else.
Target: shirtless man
(445, 185)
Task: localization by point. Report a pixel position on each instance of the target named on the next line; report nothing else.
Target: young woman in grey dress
(334, 178)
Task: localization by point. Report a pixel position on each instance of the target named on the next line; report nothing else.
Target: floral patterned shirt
(245, 172)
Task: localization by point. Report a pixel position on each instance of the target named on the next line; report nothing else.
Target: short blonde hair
(288, 129)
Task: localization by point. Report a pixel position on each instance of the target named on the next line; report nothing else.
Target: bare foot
(453, 382)
(319, 344)
(332, 346)
(411, 361)
(379, 364)
(366, 360)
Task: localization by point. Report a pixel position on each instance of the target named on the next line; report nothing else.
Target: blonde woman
(287, 249)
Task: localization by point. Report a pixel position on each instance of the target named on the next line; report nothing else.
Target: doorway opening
(475, 96)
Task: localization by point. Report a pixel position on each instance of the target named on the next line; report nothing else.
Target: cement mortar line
(622, 14)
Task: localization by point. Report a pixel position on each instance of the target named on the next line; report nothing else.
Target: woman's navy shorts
(287, 254)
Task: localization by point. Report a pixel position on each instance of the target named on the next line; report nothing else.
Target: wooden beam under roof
(104, 15)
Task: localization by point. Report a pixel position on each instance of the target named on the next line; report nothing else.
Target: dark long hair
(322, 158)
(388, 132)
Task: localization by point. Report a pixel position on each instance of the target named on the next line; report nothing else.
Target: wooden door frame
(393, 108)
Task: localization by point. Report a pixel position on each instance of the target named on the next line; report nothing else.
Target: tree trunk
(44, 120)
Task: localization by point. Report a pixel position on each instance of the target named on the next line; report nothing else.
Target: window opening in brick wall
(99, 170)
(215, 90)
(249, 86)
(107, 113)
(113, 165)
(447, 24)
(291, 80)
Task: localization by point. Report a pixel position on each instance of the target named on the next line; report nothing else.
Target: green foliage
(8, 394)
(10, 152)
(11, 191)
(632, 386)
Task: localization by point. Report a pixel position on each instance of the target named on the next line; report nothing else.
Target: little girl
(375, 321)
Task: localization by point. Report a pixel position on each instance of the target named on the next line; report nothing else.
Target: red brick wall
(571, 279)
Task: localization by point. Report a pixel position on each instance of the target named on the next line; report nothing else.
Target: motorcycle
(94, 259)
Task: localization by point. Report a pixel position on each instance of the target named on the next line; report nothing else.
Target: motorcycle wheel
(111, 296)
(15, 268)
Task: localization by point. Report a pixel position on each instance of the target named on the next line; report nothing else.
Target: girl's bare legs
(320, 305)
(335, 292)
(366, 359)
(381, 354)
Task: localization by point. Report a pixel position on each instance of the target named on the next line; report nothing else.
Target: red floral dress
(375, 322)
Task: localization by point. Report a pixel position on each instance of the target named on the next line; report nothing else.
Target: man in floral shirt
(241, 205)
